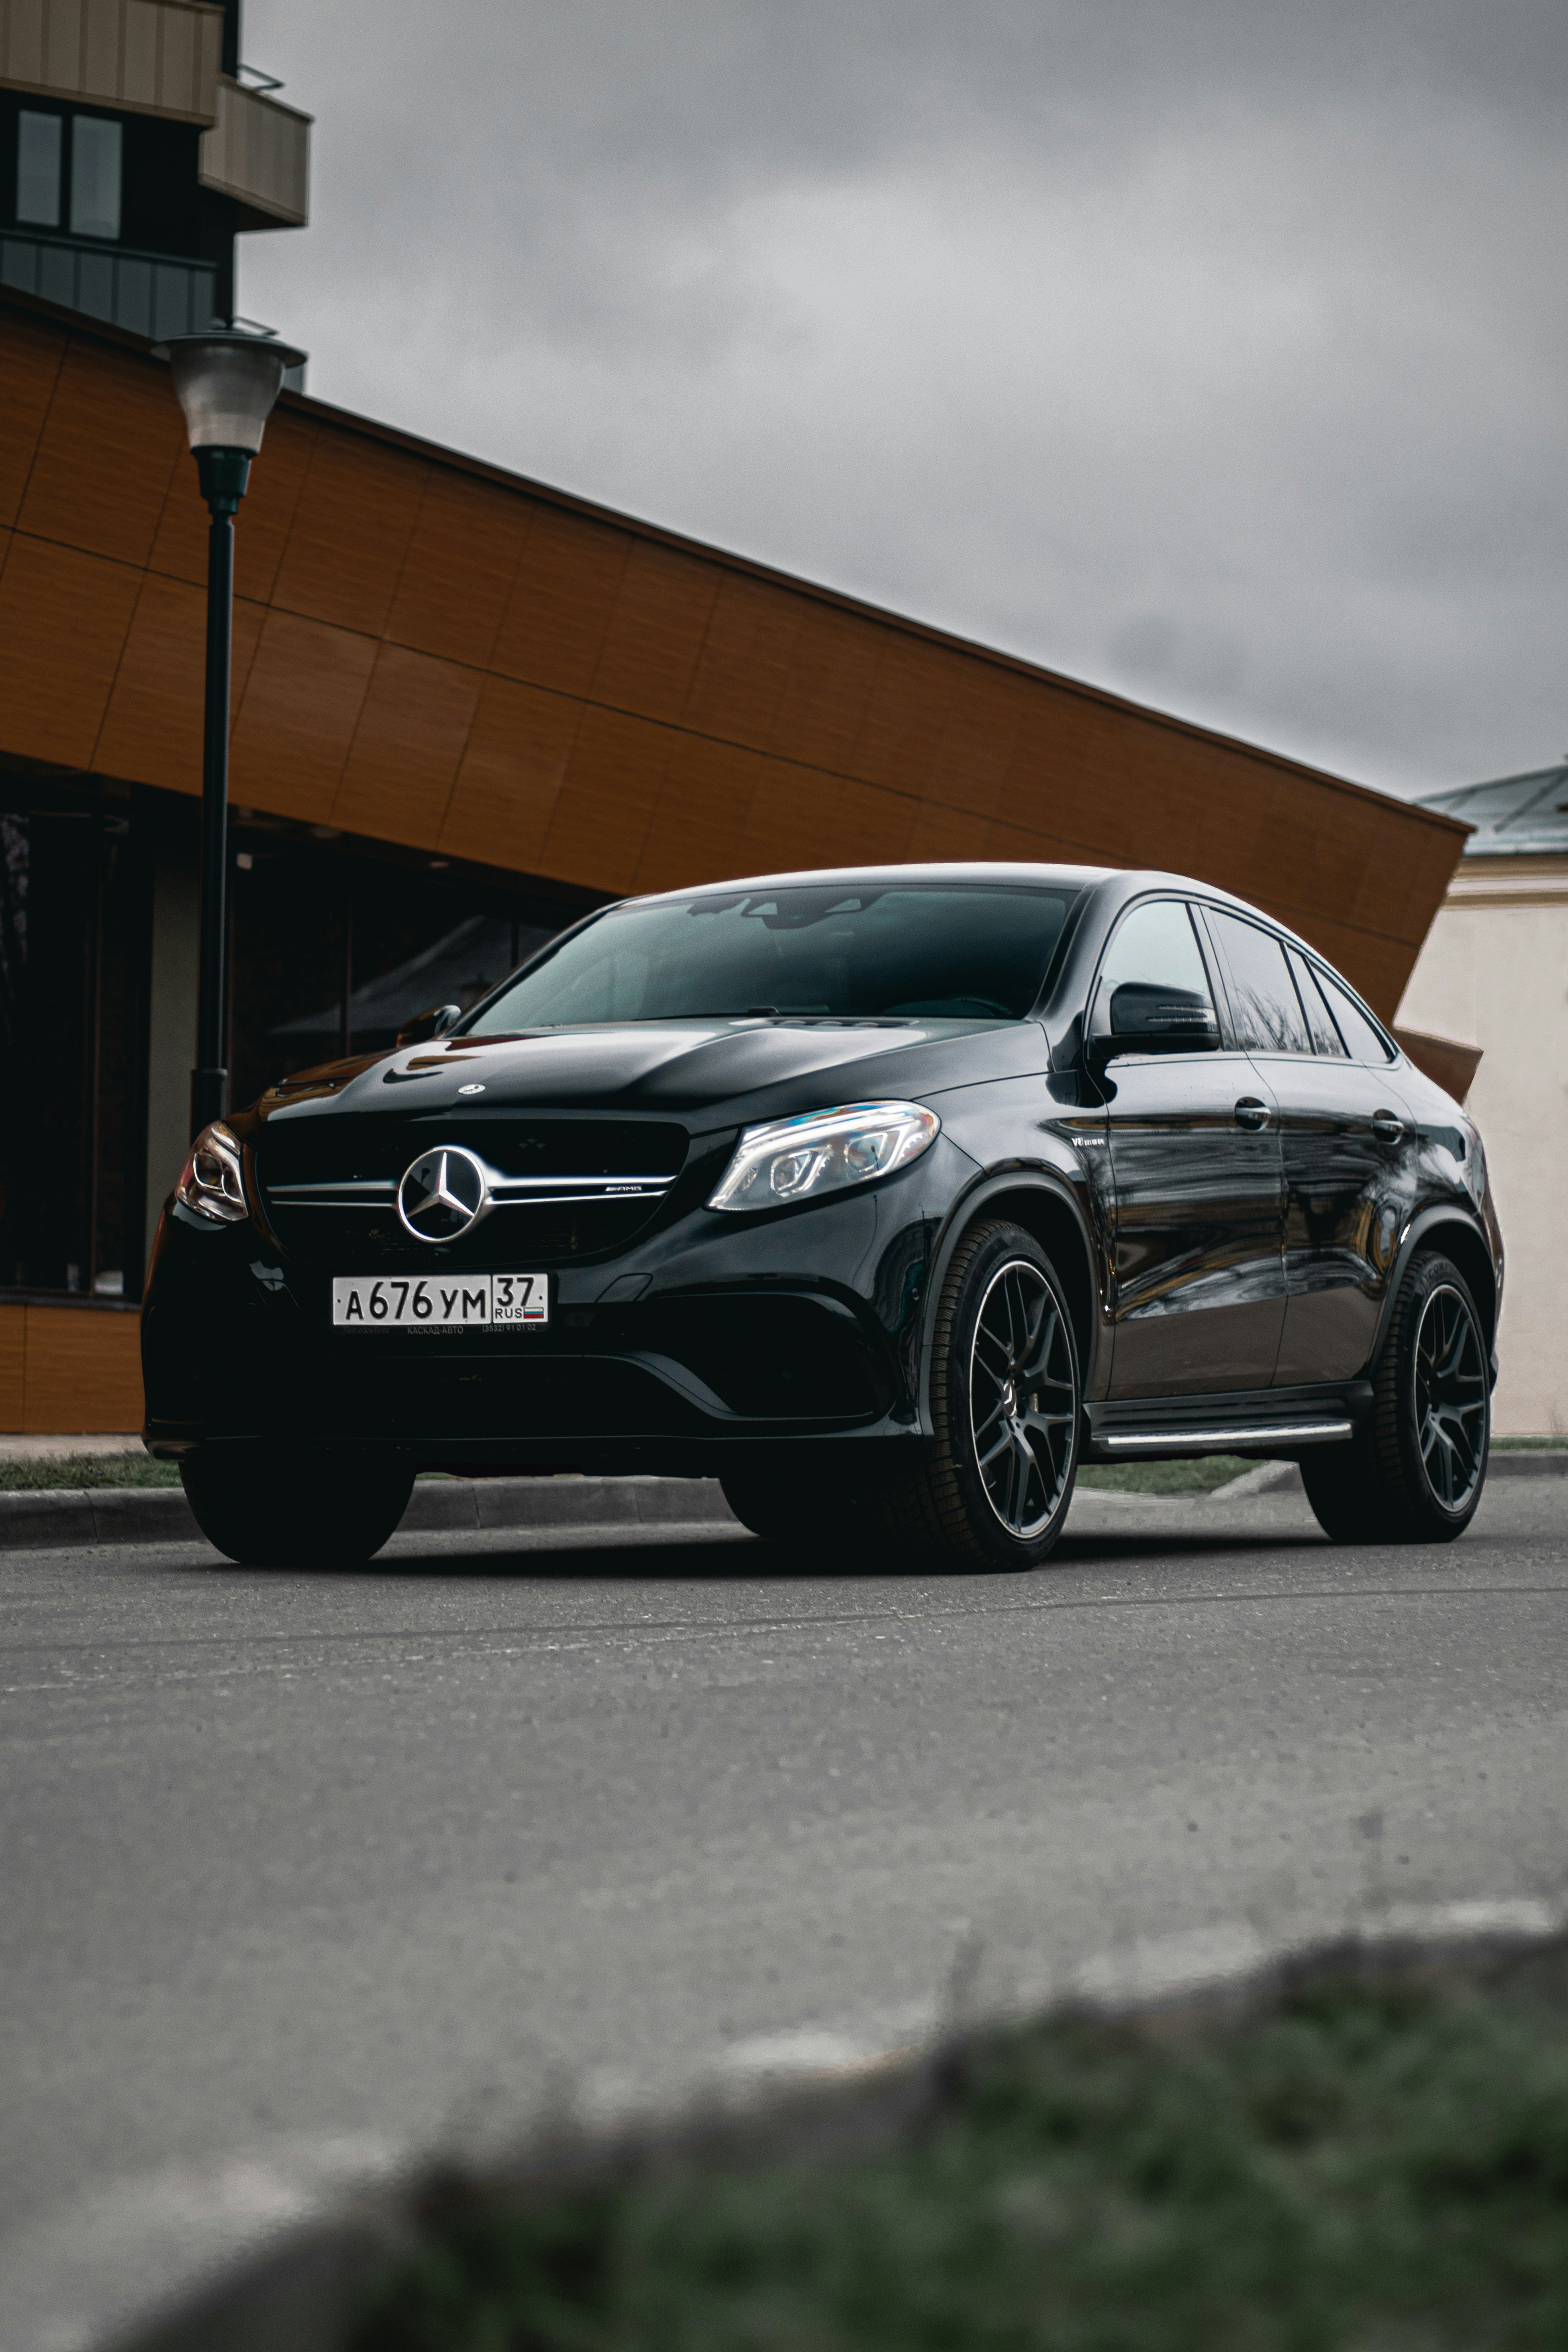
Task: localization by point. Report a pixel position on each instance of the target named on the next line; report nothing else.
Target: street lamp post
(226, 383)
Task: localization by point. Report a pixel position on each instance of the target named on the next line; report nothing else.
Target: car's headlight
(210, 1181)
(797, 1159)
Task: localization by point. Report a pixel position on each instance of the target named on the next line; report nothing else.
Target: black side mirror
(433, 1024)
(1144, 1018)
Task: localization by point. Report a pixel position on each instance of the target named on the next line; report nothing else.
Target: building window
(333, 948)
(69, 933)
(95, 176)
(39, 142)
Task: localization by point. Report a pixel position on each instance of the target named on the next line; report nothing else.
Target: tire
(991, 1491)
(820, 1509)
(771, 1506)
(270, 1509)
(1415, 1474)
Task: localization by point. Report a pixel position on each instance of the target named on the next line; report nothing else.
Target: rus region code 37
(439, 1302)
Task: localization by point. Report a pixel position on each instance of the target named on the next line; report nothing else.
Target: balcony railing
(147, 292)
(258, 151)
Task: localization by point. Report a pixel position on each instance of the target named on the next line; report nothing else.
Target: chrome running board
(1224, 1440)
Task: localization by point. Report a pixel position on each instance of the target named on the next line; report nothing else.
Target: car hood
(710, 1072)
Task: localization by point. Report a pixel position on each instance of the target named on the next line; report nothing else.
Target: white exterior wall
(1494, 973)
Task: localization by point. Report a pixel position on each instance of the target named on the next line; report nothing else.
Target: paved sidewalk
(38, 1449)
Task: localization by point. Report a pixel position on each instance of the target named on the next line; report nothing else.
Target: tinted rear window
(923, 952)
(1263, 1000)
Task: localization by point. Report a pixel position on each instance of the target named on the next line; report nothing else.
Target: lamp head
(227, 381)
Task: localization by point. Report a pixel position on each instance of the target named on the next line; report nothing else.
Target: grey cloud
(1215, 351)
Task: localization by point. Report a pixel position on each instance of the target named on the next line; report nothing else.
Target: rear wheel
(270, 1509)
(992, 1488)
(1415, 1474)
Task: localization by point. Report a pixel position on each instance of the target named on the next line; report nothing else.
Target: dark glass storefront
(335, 942)
(72, 921)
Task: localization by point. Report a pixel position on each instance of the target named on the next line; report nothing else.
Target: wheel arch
(1460, 1240)
(1047, 1212)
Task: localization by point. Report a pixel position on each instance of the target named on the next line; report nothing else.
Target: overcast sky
(1215, 351)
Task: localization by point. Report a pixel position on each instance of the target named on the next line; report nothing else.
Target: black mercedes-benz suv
(887, 1196)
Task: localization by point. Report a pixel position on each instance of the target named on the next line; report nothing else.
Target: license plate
(439, 1302)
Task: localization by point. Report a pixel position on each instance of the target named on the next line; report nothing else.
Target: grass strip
(1199, 1477)
(1365, 2168)
(31, 1472)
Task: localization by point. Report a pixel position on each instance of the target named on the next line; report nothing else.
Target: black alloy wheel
(1414, 1473)
(1022, 1397)
(1451, 1396)
(992, 1488)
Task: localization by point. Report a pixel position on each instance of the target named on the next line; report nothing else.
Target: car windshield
(836, 951)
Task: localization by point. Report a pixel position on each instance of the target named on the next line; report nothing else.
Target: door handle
(1250, 1112)
(1387, 1127)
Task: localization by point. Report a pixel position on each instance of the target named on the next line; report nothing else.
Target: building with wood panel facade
(467, 706)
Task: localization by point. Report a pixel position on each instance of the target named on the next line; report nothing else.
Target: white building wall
(1494, 973)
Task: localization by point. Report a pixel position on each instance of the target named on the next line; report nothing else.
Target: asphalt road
(315, 1855)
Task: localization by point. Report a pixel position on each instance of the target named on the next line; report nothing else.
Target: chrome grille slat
(583, 1206)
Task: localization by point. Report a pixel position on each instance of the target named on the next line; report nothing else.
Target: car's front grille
(559, 1187)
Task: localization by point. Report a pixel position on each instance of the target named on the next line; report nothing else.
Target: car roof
(1073, 877)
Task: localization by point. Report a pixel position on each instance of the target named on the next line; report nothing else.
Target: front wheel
(992, 1490)
(1415, 1474)
(266, 1507)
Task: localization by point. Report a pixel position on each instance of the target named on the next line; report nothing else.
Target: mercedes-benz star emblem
(442, 1194)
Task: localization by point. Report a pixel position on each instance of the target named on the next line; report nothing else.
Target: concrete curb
(278, 2248)
(50, 1518)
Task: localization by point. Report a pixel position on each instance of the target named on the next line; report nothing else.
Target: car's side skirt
(1265, 1421)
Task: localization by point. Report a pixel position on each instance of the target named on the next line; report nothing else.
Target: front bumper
(714, 1338)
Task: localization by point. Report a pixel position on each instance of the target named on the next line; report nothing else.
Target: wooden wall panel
(297, 717)
(698, 830)
(350, 529)
(456, 578)
(1029, 845)
(744, 663)
(30, 360)
(937, 833)
(113, 437)
(797, 812)
(975, 751)
(915, 697)
(655, 638)
(568, 578)
(63, 620)
(612, 784)
(513, 768)
(83, 1371)
(13, 1362)
(413, 728)
(151, 731)
(831, 675)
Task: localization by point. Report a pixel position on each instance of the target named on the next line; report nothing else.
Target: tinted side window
(1155, 952)
(1325, 1037)
(1362, 1041)
(1262, 994)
